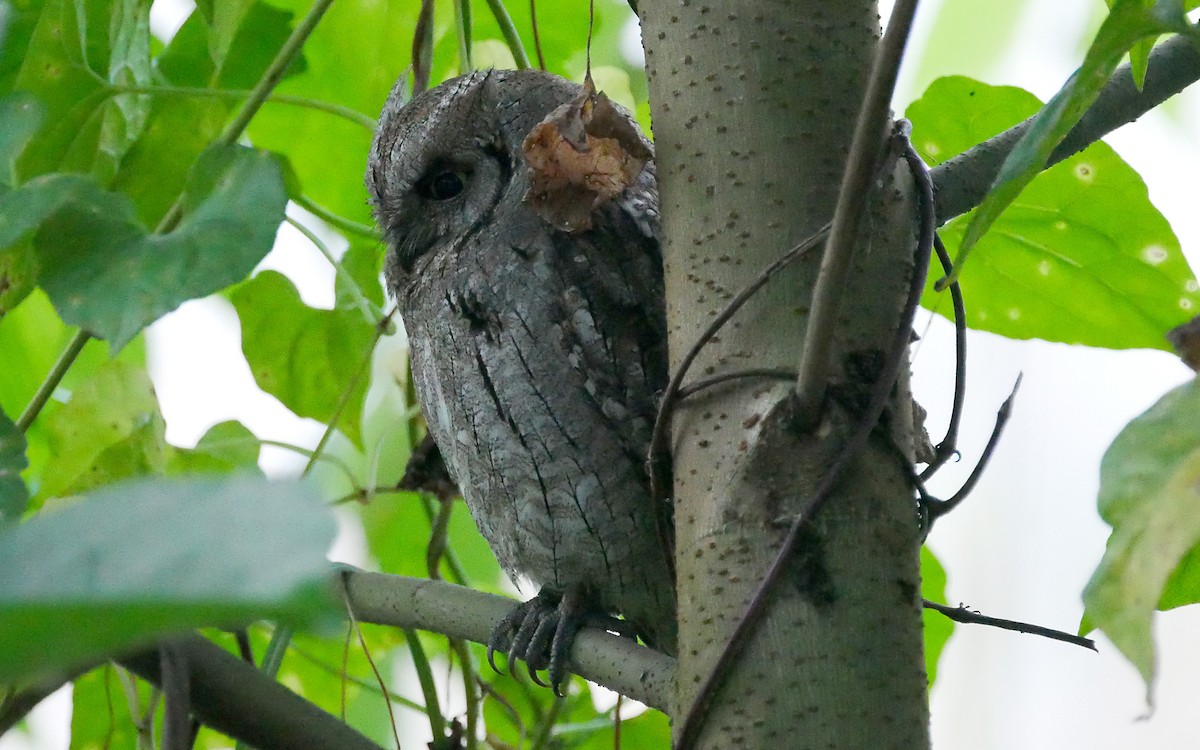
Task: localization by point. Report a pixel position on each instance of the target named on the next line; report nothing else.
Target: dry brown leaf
(581, 156)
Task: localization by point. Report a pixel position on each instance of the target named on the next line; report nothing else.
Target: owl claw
(541, 632)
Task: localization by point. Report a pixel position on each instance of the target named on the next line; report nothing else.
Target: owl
(538, 355)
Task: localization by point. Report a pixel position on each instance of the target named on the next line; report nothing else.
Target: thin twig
(866, 153)
(537, 39)
(970, 617)
(937, 509)
(50, 383)
(387, 696)
(948, 445)
(474, 696)
(761, 372)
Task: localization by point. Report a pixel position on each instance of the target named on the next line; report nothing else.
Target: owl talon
(541, 632)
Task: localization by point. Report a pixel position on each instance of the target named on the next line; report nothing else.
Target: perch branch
(612, 661)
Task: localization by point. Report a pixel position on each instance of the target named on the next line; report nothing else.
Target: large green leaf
(142, 560)
(13, 494)
(108, 275)
(32, 337)
(1128, 22)
(77, 52)
(1150, 495)
(181, 125)
(111, 429)
(22, 212)
(1082, 257)
(312, 360)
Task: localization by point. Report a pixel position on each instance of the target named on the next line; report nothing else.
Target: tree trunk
(754, 106)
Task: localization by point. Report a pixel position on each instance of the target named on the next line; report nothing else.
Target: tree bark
(753, 107)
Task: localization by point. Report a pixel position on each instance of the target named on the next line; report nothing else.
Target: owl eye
(442, 185)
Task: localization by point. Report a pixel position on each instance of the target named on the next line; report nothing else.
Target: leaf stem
(337, 110)
(511, 37)
(437, 722)
(334, 220)
(52, 380)
(368, 309)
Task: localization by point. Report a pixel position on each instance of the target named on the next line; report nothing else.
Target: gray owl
(538, 355)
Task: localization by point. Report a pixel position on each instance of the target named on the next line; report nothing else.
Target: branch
(867, 153)
(970, 617)
(961, 183)
(459, 612)
(238, 700)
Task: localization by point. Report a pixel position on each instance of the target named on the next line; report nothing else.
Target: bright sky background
(1025, 543)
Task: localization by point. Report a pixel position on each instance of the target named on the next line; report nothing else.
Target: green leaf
(13, 494)
(1128, 22)
(20, 117)
(227, 447)
(1082, 257)
(938, 627)
(148, 558)
(78, 52)
(353, 58)
(1149, 493)
(181, 126)
(32, 338)
(111, 429)
(108, 275)
(22, 212)
(18, 24)
(312, 360)
(98, 719)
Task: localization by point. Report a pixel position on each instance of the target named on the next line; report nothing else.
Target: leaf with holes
(1128, 22)
(145, 559)
(1149, 493)
(1082, 257)
(108, 275)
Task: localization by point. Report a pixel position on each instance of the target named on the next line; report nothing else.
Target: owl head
(442, 163)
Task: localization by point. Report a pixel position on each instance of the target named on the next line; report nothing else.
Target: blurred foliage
(124, 193)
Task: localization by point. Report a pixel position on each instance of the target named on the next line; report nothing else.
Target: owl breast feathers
(538, 354)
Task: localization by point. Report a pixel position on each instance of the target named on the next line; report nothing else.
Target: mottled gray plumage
(538, 355)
